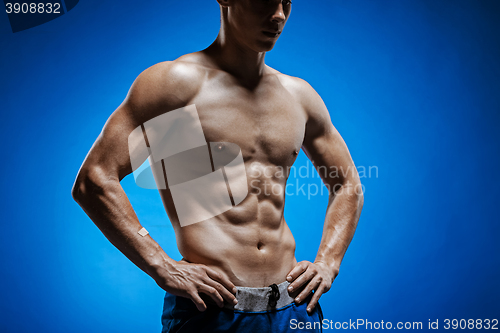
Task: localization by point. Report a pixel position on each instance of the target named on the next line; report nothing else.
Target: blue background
(413, 87)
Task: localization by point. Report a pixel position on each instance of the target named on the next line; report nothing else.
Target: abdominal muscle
(251, 243)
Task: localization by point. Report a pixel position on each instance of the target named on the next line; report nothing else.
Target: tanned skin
(271, 116)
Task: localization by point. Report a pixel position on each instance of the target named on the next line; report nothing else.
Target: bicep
(325, 147)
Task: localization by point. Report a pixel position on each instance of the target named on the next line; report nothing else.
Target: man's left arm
(329, 154)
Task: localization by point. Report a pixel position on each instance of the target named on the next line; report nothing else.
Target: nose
(279, 15)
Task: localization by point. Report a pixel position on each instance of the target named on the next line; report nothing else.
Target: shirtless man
(270, 116)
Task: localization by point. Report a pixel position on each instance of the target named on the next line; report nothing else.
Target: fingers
(312, 285)
(303, 278)
(213, 293)
(195, 281)
(226, 295)
(218, 287)
(309, 277)
(222, 279)
(297, 271)
(314, 300)
(200, 305)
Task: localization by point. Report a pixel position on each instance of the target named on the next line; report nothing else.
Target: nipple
(220, 146)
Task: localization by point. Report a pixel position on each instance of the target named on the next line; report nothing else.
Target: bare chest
(268, 124)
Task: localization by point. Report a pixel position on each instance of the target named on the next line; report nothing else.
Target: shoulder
(306, 96)
(163, 87)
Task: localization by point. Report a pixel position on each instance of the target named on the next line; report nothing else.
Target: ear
(225, 3)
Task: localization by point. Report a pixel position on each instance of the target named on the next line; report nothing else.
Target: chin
(265, 46)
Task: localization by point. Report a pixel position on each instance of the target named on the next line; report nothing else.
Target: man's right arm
(161, 88)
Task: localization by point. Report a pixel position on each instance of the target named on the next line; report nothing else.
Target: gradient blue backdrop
(413, 87)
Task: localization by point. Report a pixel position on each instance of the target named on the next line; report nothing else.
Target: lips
(274, 34)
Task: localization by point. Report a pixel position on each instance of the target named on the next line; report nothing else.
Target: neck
(235, 58)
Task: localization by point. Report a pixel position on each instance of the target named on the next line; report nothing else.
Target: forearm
(342, 215)
(106, 203)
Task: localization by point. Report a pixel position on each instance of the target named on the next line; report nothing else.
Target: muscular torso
(251, 243)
